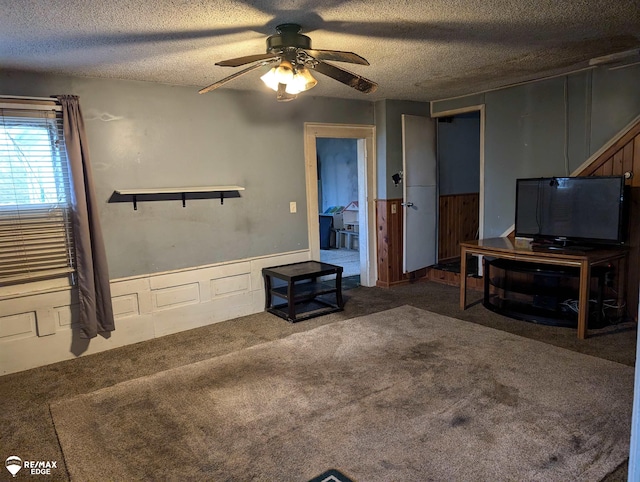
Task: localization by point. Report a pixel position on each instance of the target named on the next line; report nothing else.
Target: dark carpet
(403, 394)
(27, 427)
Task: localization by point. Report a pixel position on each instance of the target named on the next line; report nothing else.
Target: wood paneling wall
(389, 222)
(624, 156)
(458, 221)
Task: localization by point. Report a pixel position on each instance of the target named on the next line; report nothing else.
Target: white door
(420, 195)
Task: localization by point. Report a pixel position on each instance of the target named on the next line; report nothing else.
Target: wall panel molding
(389, 224)
(38, 330)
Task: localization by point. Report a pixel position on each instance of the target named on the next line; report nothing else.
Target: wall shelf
(168, 193)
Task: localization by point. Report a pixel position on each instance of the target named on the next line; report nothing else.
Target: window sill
(35, 288)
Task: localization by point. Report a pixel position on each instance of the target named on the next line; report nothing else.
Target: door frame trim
(464, 110)
(366, 135)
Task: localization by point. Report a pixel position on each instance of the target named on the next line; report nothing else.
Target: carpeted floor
(403, 394)
(28, 431)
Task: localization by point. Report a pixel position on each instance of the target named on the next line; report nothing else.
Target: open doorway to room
(338, 204)
(460, 160)
(341, 202)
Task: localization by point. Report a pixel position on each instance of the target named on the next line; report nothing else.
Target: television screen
(571, 209)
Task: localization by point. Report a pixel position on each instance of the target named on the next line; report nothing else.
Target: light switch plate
(293, 207)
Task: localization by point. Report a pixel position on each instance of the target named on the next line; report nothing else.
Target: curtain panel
(96, 311)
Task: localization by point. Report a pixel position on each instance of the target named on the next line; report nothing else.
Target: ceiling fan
(295, 58)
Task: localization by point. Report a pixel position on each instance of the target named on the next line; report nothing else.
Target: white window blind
(36, 238)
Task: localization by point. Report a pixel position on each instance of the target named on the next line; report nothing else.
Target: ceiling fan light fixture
(302, 80)
(295, 57)
(292, 89)
(270, 79)
(284, 72)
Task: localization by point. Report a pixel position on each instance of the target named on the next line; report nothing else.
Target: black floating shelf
(175, 193)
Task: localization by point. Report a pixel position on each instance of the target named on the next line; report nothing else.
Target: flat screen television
(569, 211)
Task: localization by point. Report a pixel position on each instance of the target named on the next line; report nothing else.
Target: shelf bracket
(184, 199)
(221, 197)
(135, 202)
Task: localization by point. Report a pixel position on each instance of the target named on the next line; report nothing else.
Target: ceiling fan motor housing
(288, 37)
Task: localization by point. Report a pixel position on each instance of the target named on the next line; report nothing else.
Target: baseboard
(453, 279)
(407, 281)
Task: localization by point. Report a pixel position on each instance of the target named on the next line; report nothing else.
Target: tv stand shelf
(537, 292)
(584, 263)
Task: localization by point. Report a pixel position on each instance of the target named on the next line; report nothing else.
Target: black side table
(303, 289)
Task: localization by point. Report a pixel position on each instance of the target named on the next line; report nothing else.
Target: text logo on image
(13, 464)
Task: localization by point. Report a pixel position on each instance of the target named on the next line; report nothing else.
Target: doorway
(460, 180)
(338, 203)
(362, 209)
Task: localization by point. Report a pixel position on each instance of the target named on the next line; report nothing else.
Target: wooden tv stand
(584, 260)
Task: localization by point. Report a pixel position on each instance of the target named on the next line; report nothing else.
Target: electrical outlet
(293, 207)
(394, 208)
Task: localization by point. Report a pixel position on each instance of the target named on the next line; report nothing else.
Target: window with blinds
(36, 238)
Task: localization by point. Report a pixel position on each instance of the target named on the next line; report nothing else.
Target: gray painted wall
(380, 112)
(523, 136)
(338, 166)
(615, 102)
(155, 135)
(459, 154)
(525, 130)
(144, 135)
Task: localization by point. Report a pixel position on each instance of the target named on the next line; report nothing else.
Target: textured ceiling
(418, 50)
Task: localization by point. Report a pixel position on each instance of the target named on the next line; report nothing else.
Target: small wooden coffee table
(303, 291)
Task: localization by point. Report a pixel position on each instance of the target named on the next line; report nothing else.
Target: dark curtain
(96, 312)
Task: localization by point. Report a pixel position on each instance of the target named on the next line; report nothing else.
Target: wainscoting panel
(18, 326)
(46, 321)
(126, 305)
(176, 296)
(165, 322)
(231, 285)
(458, 221)
(40, 328)
(389, 224)
(65, 315)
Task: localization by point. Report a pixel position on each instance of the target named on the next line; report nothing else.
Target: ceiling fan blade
(348, 78)
(338, 56)
(234, 75)
(246, 60)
